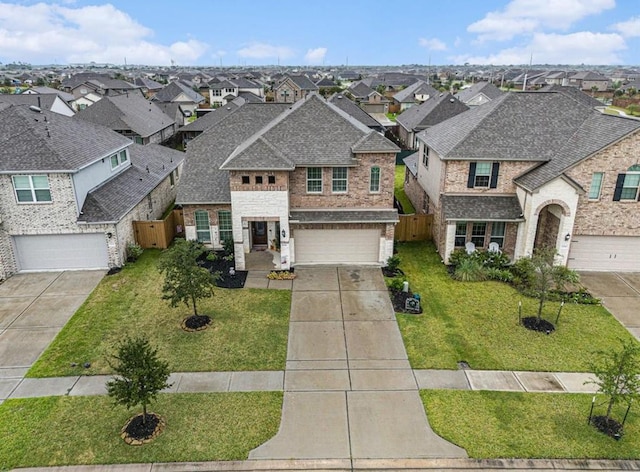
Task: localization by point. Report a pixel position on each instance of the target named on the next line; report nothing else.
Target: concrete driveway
(33, 309)
(620, 294)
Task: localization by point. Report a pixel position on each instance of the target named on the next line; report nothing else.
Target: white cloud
(576, 48)
(527, 16)
(629, 28)
(265, 51)
(315, 56)
(432, 44)
(43, 33)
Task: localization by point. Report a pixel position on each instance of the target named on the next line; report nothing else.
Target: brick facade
(457, 174)
(236, 181)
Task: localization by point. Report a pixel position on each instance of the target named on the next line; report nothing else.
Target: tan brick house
(533, 169)
(307, 181)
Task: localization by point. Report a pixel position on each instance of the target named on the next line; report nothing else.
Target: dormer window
(119, 159)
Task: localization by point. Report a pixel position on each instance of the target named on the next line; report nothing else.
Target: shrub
(470, 270)
(494, 260)
(227, 245)
(211, 256)
(393, 263)
(133, 252)
(501, 275)
(457, 256)
(395, 284)
(523, 272)
(281, 275)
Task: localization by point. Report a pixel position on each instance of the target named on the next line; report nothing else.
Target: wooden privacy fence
(414, 228)
(158, 233)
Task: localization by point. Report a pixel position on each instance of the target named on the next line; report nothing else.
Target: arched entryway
(549, 218)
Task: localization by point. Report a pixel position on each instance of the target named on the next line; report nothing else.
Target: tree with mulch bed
(617, 376)
(541, 275)
(186, 281)
(140, 376)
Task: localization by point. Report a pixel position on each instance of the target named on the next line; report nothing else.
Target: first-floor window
(339, 180)
(203, 229)
(225, 228)
(314, 179)
(497, 232)
(478, 231)
(461, 234)
(32, 188)
(374, 181)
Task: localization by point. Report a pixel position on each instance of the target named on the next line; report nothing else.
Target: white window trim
(33, 189)
(371, 179)
(119, 158)
(599, 186)
(637, 187)
(221, 230)
(345, 180)
(475, 177)
(195, 221)
(321, 181)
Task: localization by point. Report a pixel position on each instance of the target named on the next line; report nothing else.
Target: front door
(259, 231)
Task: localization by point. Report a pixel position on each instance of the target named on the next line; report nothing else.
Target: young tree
(546, 275)
(186, 281)
(618, 375)
(140, 375)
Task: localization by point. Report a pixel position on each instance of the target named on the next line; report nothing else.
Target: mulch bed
(196, 323)
(399, 300)
(609, 426)
(137, 433)
(534, 324)
(222, 266)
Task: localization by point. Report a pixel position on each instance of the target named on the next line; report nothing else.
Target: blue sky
(357, 32)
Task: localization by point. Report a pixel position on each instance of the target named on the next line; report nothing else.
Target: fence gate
(414, 228)
(158, 233)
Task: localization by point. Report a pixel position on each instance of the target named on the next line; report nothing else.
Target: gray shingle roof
(407, 95)
(67, 97)
(250, 97)
(411, 163)
(202, 181)
(313, 132)
(433, 111)
(486, 88)
(148, 83)
(573, 92)
(171, 91)
(522, 126)
(350, 107)
(360, 90)
(47, 141)
(44, 101)
(213, 117)
(127, 112)
(303, 82)
(481, 208)
(344, 216)
(150, 165)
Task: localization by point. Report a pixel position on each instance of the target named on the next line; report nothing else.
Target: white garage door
(621, 253)
(337, 246)
(61, 251)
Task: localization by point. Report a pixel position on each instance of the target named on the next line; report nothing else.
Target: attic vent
(451, 100)
(35, 108)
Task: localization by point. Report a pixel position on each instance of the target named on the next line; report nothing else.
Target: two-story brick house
(307, 179)
(535, 169)
(293, 88)
(69, 190)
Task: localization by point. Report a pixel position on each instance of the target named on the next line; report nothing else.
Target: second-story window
(339, 180)
(425, 157)
(314, 179)
(374, 180)
(32, 188)
(628, 185)
(596, 185)
(119, 159)
(483, 174)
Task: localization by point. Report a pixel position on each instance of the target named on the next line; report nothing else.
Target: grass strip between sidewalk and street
(248, 331)
(491, 425)
(51, 431)
(477, 322)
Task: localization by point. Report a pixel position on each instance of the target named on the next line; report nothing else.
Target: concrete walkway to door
(349, 390)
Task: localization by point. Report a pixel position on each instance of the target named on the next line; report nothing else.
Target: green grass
(54, 431)
(248, 331)
(527, 425)
(392, 116)
(398, 189)
(477, 322)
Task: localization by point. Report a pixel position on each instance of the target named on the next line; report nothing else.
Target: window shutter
(472, 175)
(494, 175)
(618, 192)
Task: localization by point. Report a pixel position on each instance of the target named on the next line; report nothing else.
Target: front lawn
(248, 331)
(54, 431)
(398, 190)
(493, 425)
(477, 322)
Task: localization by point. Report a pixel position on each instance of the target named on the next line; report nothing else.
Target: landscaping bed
(222, 264)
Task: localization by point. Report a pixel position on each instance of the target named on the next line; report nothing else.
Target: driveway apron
(349, 390)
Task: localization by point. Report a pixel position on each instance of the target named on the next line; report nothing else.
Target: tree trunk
(195, 309)
(542, 299)
(144, 414)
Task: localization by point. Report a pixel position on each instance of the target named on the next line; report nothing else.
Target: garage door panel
(61, 251)
(620, 253)
(337, 246)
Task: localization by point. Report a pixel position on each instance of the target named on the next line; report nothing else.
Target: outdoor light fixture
(109, 235)
(284, 234)
(567, 237)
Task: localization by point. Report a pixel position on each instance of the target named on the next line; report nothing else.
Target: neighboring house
(133, 116)
(306, 179)
(210, 119)
(66, 97)
(556, 78)
(103, 87)
(418, 92)
(179, 101)
(478, 94)
(587, 80)
(222, 92)
(420, 117)
(351, 108)
(534, 169)
(325, 83)
(69, 190)
(574, 93)
(85, 101)
(293, 88)
(51, 102)
(148, 86)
